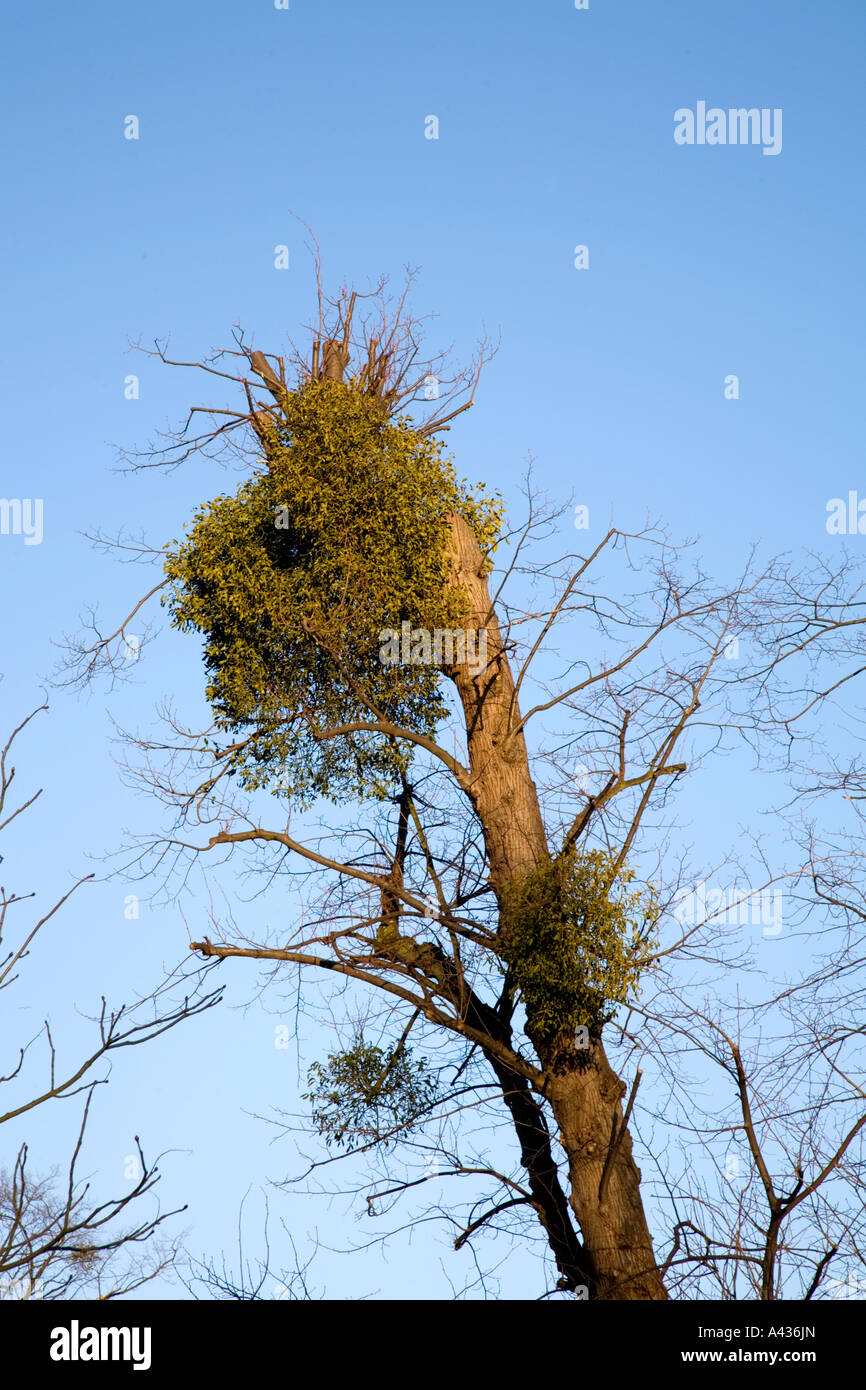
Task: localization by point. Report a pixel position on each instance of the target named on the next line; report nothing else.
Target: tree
(57, 1240)
(515, 929)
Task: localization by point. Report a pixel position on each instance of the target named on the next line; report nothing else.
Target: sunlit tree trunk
(585, 1093)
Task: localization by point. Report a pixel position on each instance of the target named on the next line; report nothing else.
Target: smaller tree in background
(58, 1239)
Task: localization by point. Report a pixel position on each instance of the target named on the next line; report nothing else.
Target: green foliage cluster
(291, 580)
(577, 940)
(366, 1093)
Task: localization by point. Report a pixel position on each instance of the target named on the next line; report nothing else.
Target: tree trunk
(585, 1093)
(530, 1124)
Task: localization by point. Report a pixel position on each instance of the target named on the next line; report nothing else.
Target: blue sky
(555, 130)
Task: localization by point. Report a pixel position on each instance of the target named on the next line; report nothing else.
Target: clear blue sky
(556, 129)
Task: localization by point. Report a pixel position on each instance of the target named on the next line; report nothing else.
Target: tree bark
(585, 1093)
(530, 1125)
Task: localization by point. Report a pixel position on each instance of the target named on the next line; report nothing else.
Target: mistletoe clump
(576, 941)
(292, 579)
(366, 1094)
